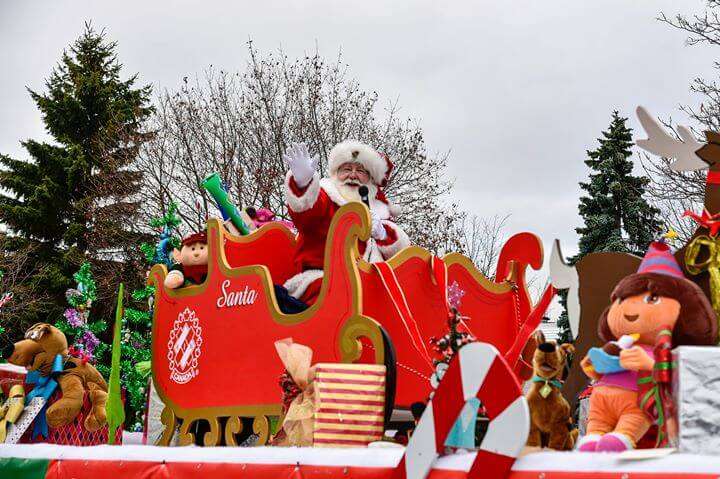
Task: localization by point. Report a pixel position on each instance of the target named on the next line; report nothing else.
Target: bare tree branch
(483, 239)
(676, 192)
(239, 125)
(18, 267)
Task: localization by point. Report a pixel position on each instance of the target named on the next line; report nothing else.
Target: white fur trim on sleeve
(297, 285)
(402, 241)
(395, 209)
(305, 201)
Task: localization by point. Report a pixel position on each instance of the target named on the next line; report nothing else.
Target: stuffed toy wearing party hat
(656, 299)
(661, 275)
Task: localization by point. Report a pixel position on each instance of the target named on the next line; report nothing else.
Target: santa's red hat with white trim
(378, 166)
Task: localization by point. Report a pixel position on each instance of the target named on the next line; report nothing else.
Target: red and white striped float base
(572, 465)
(477, 370)
(147, 462)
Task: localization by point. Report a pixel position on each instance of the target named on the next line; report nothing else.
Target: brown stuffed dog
(36, 352)
(22, 353)
(551, 425)
(524, 369)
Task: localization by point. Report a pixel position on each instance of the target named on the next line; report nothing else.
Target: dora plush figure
(657, 297)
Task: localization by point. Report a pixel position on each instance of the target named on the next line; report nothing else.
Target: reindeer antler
(564, 276)
(660, 143)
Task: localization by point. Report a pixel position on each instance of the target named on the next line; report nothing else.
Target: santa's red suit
(312, 208)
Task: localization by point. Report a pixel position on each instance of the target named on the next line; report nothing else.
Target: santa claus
(313, 201)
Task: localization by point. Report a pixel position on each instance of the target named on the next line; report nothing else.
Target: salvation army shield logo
(184, 347)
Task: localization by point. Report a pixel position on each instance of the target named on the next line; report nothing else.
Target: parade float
(370, 334)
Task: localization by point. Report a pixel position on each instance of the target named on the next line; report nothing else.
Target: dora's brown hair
(697, 324)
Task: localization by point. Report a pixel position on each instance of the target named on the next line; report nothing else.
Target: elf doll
(644, 305)
(191, 262)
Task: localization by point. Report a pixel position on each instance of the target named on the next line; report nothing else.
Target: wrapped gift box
(9, 376)
(696, 388)
(349, 404)
(75, 434)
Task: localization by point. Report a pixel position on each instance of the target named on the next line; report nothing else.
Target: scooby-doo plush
(37, 352)
(524, 368)
(551, 425)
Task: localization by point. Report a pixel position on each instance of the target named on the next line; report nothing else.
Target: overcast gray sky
(517, 90)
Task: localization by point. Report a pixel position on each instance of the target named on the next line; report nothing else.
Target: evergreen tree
(563, 322)
(75, 199)
(616, 215)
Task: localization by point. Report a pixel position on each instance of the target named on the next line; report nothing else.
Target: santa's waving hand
(300, 163)
(313, 201)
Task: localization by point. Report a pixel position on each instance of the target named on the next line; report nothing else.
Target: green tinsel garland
(82, 333)
(137, 326)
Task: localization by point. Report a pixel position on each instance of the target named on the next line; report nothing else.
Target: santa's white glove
(378, 230)
(300, 163)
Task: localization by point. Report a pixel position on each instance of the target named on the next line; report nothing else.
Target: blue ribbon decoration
(44, 387)
(552, 382)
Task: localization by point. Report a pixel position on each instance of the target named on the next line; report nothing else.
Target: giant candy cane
(477, 370)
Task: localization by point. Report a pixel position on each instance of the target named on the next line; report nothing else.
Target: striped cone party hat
(659, 259)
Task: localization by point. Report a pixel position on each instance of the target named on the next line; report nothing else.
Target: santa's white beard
(349, 189)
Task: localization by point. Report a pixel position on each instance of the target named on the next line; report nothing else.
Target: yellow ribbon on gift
(12, 409)
(298, 422)
(710, 248)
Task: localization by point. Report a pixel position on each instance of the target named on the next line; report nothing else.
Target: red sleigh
(213, 355)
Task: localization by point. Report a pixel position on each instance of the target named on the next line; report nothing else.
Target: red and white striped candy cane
(477, 370)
